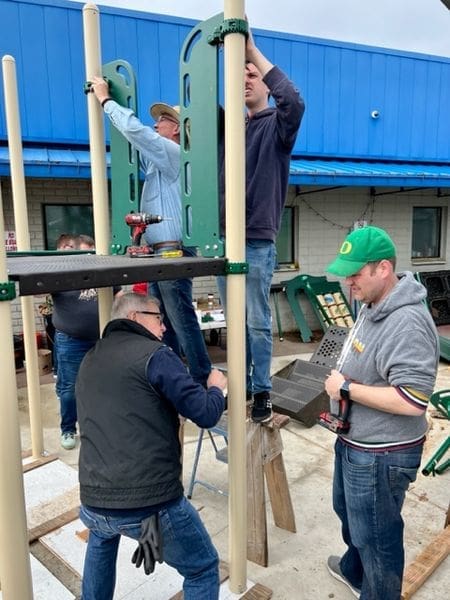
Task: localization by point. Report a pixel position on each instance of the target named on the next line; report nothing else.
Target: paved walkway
(296, 561)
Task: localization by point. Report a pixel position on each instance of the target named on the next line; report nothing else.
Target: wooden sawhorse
(264, 460)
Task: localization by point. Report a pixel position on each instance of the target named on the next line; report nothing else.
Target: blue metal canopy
(51, 162)
(75, 164)
(362, 174)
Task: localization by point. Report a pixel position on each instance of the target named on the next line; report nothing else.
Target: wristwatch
(345, 390)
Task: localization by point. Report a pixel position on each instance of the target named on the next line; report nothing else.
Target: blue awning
(51, 162)
(364, 174)
(68, 163)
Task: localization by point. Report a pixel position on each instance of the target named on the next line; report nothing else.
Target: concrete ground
(296, 561)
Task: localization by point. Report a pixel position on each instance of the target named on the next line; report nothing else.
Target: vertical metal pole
(234, 48)
(92, 53)
(23, 244)
(15, 570)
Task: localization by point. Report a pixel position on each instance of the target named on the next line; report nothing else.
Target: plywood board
(48, 481)
(132, 583)
(45, 585)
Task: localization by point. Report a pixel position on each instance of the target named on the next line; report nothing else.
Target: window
(285, 239)
(66, 218)
(426, 232)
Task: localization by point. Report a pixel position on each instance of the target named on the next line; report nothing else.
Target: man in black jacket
(130, 390)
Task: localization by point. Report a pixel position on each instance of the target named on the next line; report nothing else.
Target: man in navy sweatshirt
(270, 137)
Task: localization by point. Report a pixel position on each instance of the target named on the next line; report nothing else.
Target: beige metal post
(235, 236)
(23, 244)
(15, 570)
(92, 53)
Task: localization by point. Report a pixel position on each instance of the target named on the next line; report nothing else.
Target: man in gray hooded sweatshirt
(387, 370)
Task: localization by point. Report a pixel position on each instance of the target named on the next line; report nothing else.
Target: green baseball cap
(361, 246)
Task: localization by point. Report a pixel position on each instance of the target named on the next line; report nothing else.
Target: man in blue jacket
(159, 155)
(270, 138)
(131, 389)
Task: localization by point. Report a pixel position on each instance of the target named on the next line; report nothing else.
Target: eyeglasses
(159, 315)
(166, 118)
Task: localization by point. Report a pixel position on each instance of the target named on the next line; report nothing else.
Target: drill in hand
(337, 423)
(138, 223)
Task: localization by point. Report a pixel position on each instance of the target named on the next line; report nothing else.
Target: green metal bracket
(7, 291)
(441, 400)
(199, 139)
(124, 158)
(432, 466)
(237, 268)
(226, 27)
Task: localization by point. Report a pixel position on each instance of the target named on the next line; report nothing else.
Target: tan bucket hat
(160, 108)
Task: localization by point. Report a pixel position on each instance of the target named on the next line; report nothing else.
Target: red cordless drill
(338, 423)
(138, 223)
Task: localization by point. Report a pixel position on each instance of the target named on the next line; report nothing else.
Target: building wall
(343, 84)
(323, 219)
(39, 192)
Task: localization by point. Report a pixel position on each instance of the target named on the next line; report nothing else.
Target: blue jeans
(368, 493)
(70, 353)
(187, 547)
(183, 333)
(261, 258)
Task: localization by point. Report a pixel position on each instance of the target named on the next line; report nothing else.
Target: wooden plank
(425, 563)
(272, 444)
(52, 524)
(257, 548)
(38, 462)
(83, 535)
(223, 576)
(278, 421)
(258, 592)
(280, 497)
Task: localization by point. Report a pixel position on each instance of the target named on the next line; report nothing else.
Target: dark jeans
(70, 353)
(183, 329)
(261, 257)
(186, 546)
(368, 493)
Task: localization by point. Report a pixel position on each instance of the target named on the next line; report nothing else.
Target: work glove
(150, 549)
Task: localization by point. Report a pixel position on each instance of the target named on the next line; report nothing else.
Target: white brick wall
(39, 192)
(324, 219)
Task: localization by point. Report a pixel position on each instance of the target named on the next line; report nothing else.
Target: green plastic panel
(199, 138)
(124, 158)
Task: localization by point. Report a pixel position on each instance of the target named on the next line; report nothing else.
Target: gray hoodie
(394, 343)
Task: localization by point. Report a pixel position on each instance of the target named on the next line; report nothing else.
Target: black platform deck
(47, 274)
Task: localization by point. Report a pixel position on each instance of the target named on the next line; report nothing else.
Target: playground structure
(76, 270)
(47, 274)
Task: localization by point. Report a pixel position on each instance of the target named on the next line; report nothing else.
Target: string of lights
(367, 214)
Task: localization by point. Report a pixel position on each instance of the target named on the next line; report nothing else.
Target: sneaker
(68, 441)
(262, 407)
(334, 567)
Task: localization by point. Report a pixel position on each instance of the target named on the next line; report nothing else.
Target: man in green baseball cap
(368, 244)
(385, 374)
